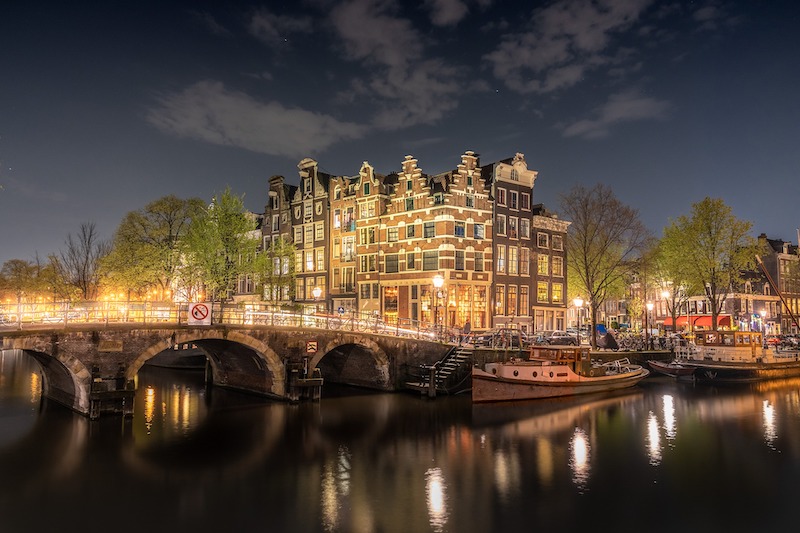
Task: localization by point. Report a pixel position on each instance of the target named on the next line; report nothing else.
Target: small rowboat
(674, 369)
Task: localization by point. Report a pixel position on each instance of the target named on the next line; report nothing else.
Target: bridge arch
(358, 361)
(65, 378)
(272, 363)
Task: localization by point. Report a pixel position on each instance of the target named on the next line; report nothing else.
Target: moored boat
(552, 372)
(738, 356)
(674, 369)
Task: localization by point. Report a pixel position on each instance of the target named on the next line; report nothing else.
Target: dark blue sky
(106, 106)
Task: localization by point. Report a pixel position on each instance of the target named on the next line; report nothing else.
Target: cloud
(622, 107)
(446, 12)
(207, 111)
(211, 24)
(563, 42)
(406, 87)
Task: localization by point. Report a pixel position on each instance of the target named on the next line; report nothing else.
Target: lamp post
(763, 313)
(438, 283)
(317, 292)
(646, 326)
(578, 302)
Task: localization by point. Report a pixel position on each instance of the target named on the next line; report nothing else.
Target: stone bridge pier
(94, 370)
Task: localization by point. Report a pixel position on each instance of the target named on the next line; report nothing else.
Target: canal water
(663, 456)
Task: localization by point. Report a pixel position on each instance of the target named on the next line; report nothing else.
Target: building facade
(310, 220)
(465, 245)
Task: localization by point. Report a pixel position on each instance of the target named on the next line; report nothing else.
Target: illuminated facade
(310, 219)
(379, 244)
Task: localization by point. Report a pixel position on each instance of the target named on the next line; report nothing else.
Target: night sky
(106, 106)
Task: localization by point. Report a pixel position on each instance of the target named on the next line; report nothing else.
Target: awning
(703, 321)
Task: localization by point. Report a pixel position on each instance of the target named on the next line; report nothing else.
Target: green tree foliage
(19, 277)
(716, 248)
(145, 250)
(603, 239)
(673, 271)
(220, 245)
(274, 268)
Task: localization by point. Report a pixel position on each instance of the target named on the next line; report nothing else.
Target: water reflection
(580, 452)
(770, 429)
(436, 495)
(171, 403)
(653, 439)
(669, 417)
(211, 460)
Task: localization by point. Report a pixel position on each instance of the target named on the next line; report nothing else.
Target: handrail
(64, 314)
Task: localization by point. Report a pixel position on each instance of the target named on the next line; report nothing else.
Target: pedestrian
(465, 330)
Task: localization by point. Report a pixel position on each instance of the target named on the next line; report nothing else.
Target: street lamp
(578, 302)
(438, 283)
(646, 327)
(763, 326)
(317, 292)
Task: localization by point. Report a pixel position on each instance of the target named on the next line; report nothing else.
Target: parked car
(501, 338)
(556, 337)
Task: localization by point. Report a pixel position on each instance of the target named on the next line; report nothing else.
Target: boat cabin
(735, 339)
(577, 358)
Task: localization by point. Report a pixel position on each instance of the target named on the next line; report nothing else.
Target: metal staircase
(450, 375)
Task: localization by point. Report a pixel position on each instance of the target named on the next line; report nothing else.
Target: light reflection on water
(215, 460)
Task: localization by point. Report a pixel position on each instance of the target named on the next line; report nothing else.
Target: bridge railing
(37, 315)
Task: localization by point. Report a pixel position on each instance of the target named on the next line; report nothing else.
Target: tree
(603, 239)
(220, 246)
(717, 249)
(274, 269)
(673, 271)
(79, 265)
(18, 277)
(145, 250)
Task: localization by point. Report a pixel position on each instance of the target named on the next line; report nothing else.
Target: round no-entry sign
(199, 314)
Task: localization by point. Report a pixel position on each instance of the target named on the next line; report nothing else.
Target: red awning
(703, 321)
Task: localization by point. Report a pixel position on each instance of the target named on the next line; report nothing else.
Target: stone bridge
(93, 368)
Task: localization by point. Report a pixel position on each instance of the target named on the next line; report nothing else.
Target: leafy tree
(145, 251)
(274, 268)
(717, 249)
(78, 265)
(220, 245)
(673, 271)
(603, 239)
(19, 278)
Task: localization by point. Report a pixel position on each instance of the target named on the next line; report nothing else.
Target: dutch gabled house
(375, 243)
(436, 225)
(310, 219)
(277, 242)
(343, 257)
(529, 290)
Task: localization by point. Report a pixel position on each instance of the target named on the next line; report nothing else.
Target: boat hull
(675, 370)
(743, 372)
(487, 387)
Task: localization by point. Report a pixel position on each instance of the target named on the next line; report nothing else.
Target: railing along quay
(105, 313)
